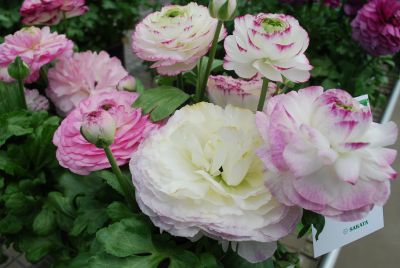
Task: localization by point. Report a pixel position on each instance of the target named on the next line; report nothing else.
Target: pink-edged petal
(348, 168)
(255, 252)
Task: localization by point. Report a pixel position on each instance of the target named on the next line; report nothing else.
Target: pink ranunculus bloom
(36, 47)
(75, 78)
(325, 154)
(272, 45)
(175, 38)
(35, 101)
(81, 157)
(223, 90)
(51, 12)
(377, 27)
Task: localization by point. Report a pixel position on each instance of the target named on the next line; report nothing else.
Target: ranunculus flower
(272, 45)
(36, 47)
(199, 175)
(50, 12)
(175, 38)
(223, 90)
(75, 78)
(351, 7)
(81, 157)
(35, 101)
(325, 153)
(377, 27)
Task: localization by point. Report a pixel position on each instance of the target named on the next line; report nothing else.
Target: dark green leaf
(10, 224)
(36, 247)
(207, 260)
(109, 261)
(18, 203)
(127, 237)
(111, 180)
(14, 124)
(9, 97)
(60, 203)
(161, 102)
(234, 260)
(91, 217)
(312, 219)
(44, 222)
(118, 211)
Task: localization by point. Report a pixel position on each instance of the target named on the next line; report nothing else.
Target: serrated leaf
(207, 260)
(18, 203)
(111, 180)
(37, 247)
(109, 261)
(9, 97)
(14, 124)
(91, 217)
(161, 102)
(44, 222)
(60, 203)
(127, 237)
(312, 219)
(118, 211)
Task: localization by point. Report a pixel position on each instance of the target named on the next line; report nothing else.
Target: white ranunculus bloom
(199, 175)
(272, 45)
(175, 38)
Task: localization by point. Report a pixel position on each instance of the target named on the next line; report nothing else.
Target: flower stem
(126, 186)
(263, 95)
(203, 84)
(21, 93)
(180, 82)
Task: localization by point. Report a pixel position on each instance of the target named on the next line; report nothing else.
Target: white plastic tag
(337, 234)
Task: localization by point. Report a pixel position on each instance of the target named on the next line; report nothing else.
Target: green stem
(21, 92)
(263, 95)
(126, 186)
(180, 82)
(200, 93)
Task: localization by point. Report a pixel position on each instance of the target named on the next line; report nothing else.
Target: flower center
(174, 12)
(273, 25)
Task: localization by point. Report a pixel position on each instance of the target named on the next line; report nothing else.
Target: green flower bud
(99, 128)
(223, 10)
(18, 69)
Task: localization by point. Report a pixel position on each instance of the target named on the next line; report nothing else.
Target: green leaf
(207, 260)
(234, 260)
(312, 219)
(183, 259)
(111, 180)
(18, 69)
(36, 247)
(74, 185)
(109, 261)
(161, 102)
(91, 217)
(118, 211)
(127, 237)
(9, 166)
(18, 203)
(9, 97)
(10, 224)
(14, 124)
(44, 222)
(139, 86)
(60, 203)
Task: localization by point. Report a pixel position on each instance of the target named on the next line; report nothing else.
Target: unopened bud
(99, 128)
(127, 84)
(18, 69)
(223, 9)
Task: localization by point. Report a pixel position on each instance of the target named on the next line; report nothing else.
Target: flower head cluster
(272, 45)
(325, 152)
(377, 27)
(36, 47)
(81, 157)
(224, 90)
(50, 12)
(35, 101)
(75, 78)
(199, 175)
(175, 38)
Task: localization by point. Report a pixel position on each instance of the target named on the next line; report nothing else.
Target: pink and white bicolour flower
(199, 175)
(325, 153)
(50, 12)
(35, 101)
(131, 127)
(175, 38)
(223, 90)
(272, 45)
(75, 78)
(36, 47)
